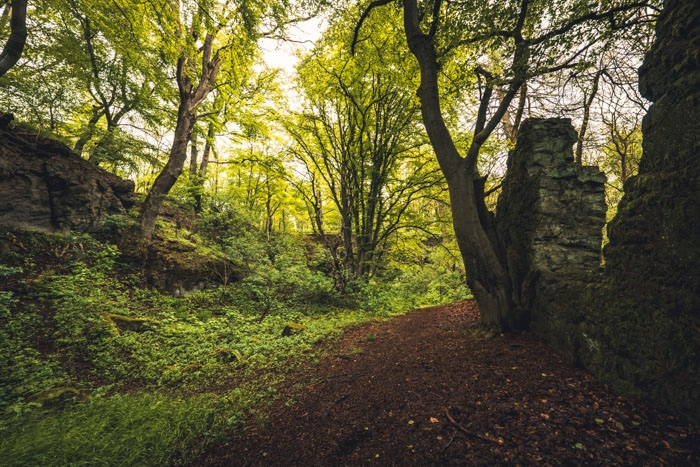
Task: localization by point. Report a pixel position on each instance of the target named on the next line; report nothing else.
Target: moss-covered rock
(56, 397)
(636, 326)
(549, 220)
(293, 328)
(647, 326)
(120, 323)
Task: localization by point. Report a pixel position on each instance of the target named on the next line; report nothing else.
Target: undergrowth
(102, 372)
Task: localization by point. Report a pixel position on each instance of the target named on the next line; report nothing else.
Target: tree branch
(436, 18)
(14, 46)
(593, 16)
(365, 14)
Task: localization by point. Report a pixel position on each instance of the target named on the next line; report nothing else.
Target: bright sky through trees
(285, 54)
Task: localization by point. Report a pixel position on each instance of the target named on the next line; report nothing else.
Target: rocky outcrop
(549, 219)
(551, 210)
(644, 333)
(635, 325)
(45, 186)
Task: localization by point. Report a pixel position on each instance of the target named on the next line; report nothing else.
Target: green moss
(293, 328)
(225, 355)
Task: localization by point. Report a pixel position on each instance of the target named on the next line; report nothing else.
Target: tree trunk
(587, 103)
(207, 149)
(172, 170)
(511, 124)
(198, 178)
(193, 156)
(97, 113)
(346, 229)
(190, 97)
(14, 46)
(486, 276)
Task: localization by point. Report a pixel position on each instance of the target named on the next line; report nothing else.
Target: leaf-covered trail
(428, 389)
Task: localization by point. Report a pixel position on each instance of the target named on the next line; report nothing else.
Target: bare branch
(365, 14)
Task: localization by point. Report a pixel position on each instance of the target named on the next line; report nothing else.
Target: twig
(465, 431)
(342, 375)
(328, 410)
(448, 443)
(452, 420)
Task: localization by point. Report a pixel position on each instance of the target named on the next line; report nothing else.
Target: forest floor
(430, 388)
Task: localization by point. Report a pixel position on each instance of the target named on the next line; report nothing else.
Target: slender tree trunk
(172, 170)
(486, 276)
(14, 46)
(193, 156)
(190, 97)
(269, 211)
(511, 123)
(198, 178)
(346, 228)
(207, 149)
(587, 103)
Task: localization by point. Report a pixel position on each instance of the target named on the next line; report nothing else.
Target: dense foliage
(98, 364)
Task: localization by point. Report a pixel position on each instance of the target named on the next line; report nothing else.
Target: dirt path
(428, 389)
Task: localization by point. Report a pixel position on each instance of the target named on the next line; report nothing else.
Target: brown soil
(429, 388)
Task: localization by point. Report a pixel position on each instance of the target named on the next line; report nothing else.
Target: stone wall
(46, 186)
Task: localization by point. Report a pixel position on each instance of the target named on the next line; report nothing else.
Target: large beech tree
(502, 45)
(359, 142)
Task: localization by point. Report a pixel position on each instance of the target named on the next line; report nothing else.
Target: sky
(283, 54)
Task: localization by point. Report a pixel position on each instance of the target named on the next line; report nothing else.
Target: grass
(202, 379)
(129, 430)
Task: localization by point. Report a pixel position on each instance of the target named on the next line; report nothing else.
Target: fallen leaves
(506, 400)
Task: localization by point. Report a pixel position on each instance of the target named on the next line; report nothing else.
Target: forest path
(428, 388)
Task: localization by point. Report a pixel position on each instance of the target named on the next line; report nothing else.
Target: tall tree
(359, 142)
(528, 38)
(207, 36)
(115, 68)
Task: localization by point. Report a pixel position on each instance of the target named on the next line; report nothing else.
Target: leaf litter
(431, 389)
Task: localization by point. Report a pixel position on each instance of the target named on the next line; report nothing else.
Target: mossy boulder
(293, 328)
